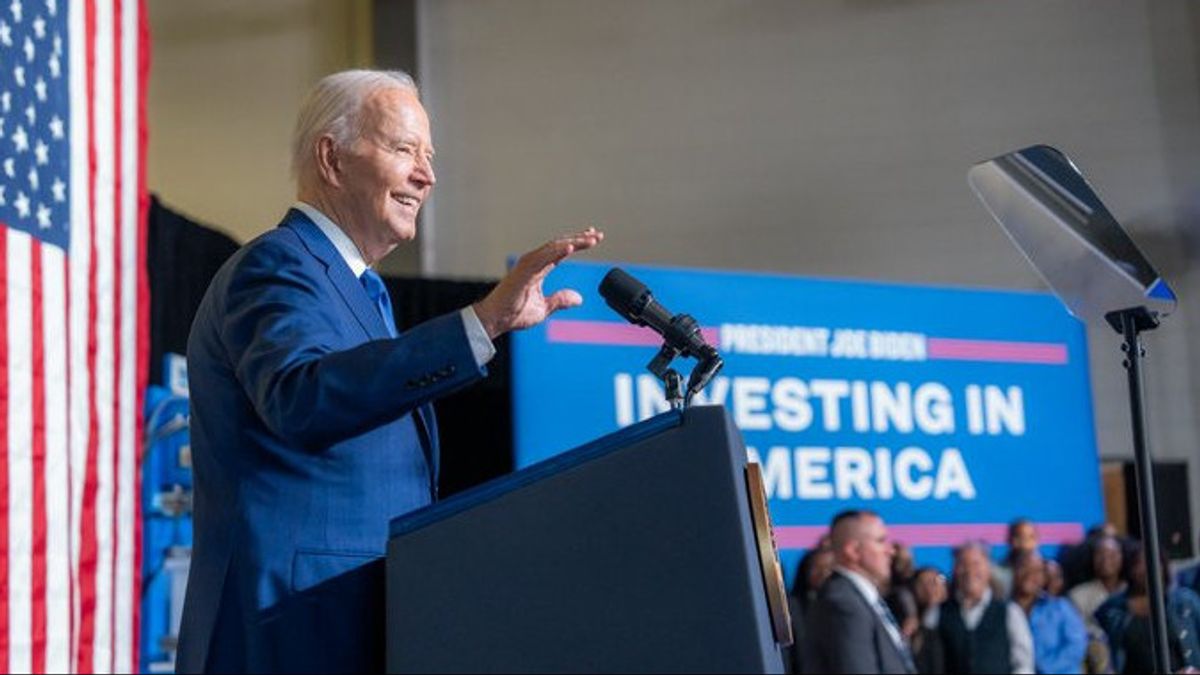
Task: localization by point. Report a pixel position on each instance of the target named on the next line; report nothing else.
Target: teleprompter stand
(1131, 323)
(1050, 212)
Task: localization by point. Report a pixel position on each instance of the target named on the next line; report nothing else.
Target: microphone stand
(671, 379)
(708, 364)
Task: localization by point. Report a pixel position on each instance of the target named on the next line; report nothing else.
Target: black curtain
(182, 257)
(475, 424)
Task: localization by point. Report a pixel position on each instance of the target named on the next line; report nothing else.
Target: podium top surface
(499, 487)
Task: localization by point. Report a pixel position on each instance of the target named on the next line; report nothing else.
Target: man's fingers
(589, 234)
(537, 263)
(562, 300)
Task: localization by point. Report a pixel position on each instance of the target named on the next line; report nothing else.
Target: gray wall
(820, 138)
(226, 79)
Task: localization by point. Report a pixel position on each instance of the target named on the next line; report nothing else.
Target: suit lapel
(883, 639)
(339, 273)
(367, 315)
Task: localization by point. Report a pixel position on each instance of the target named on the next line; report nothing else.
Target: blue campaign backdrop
(949, 411)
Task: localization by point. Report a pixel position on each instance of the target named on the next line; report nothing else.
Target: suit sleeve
(279, 330)
(845, 634)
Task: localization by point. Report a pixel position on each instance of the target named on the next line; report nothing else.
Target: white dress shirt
(1088, 597)
(481, 345)
(1020, 637)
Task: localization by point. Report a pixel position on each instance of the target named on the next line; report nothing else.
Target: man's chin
(405, 230)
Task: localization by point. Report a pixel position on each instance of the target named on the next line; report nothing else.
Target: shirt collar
(340, 240)
(868, 590)
(984, 601)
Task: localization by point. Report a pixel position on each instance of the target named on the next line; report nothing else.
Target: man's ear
(329, 161)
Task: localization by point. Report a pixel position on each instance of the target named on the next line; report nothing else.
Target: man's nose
(423, 172)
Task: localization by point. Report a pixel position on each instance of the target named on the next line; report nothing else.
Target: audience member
(1126, 618)
(1189, 577)
(1055, 582)
(1076, 559)
(1059, 637)
(981, 633)
(929, 592)
(1107, 562)
(812, 572)
(1106, 577)
(850, 629)
(900, 598)
(1022, 536)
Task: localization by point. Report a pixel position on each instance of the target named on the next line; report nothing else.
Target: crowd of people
(860, 604)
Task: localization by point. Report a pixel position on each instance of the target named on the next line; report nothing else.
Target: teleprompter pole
(1132, 323)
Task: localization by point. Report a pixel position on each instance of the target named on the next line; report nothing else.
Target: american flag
(73, 340)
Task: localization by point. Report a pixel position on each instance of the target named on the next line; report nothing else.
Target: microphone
(633, 300)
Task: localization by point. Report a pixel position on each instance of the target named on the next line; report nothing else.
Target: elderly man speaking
(311, 417)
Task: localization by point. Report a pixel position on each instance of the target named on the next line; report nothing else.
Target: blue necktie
(378, 293)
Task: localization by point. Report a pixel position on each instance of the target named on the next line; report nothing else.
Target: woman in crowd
(1107, 578)
(929, 591)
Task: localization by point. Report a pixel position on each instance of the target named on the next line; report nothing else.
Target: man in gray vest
(981, 633)
(851, 628)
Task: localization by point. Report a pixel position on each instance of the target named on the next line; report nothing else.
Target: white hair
(333, 107)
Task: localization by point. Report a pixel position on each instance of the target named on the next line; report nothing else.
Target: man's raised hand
(518, 301)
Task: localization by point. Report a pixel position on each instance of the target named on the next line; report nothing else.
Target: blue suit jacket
(311, 429)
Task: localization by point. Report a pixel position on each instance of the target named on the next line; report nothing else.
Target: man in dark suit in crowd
(850, 628)
(311, 418)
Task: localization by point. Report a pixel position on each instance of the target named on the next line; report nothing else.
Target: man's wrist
(486, 319)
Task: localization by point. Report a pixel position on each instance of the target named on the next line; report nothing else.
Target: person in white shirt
(1107, 561)
(980, 633)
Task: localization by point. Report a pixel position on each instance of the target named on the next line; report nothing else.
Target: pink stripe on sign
(806, 536)
(947, 349)
(611, 333)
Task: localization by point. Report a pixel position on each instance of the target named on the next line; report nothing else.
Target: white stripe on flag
(58, 560)
(105, 390)
(20, 451)
(123, 630)
(80, 261)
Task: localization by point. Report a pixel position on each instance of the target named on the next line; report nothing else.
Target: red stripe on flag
(119, 225)
(88, 546)
(72, 573)
(5, 587)
(38, 581)
(143, 304)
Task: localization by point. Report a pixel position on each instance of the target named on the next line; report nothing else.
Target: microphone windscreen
(622, 292)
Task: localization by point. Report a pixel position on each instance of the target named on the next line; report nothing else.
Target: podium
(648, 550)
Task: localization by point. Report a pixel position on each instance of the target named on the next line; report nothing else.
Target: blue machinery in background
(167, 510)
